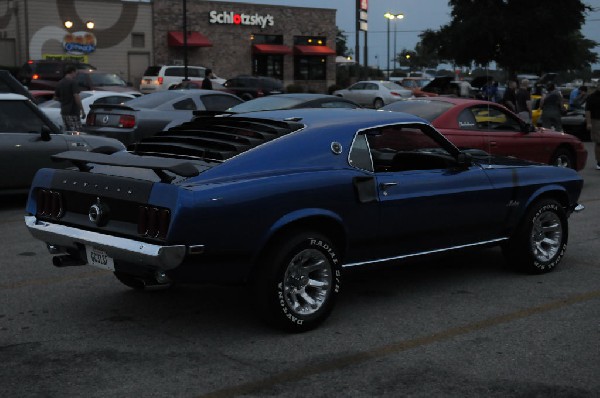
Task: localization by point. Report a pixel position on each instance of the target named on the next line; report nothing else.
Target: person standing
(207, 83)
(577, 101)
(552, 106)
(509, 99)
(67, 93)
(592, 119)
(523, 98)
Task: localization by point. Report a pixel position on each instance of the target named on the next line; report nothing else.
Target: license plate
(99, 258)
(148, 81)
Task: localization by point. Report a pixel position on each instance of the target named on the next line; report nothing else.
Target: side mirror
(46, 133)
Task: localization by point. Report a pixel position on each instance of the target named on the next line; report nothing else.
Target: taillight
(35, 76)
(153, 222)
(260, 93)
(395, 93)
(160, 80)
(49, 203)
(90, 120)
(127, 121)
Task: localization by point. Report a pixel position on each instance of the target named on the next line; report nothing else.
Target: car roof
(332, 117)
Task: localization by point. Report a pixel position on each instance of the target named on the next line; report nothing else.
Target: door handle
(493, 143)
(385, 185)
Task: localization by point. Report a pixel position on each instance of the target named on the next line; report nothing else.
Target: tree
(341, 44)
(525, 35)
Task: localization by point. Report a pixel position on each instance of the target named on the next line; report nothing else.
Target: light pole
(389, 16)
(398, 16)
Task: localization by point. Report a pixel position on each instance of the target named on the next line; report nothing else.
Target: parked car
(250, 87)
(103, 81)
(293, 101)
(145, 116)
(52, 107)
(163, 77)
(28, 139)
(492, 128)
(447, 86)
(374, 93)
(287, 200)
(45, 74)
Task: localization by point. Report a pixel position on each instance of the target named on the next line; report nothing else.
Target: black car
(46, 73)
(250, 87)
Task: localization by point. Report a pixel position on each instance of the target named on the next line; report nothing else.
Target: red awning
(271, 49)
(194, 39)
(314, 50)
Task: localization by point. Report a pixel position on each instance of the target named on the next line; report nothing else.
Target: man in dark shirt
(509, 99)
(206, 83)
(67, 93)
(592, 119)
(524, 101)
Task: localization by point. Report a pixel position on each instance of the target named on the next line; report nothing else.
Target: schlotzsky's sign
(234, 18)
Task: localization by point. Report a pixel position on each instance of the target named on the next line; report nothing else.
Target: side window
(360, 156)
(185, 105)
(492, 118)
(371, 86)
(195, 72)
(175, 71)
(17, 117)
(219, 102)
(358, 86)
(467, 121)
(406, 148)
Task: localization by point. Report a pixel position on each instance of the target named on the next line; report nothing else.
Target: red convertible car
(488, 126)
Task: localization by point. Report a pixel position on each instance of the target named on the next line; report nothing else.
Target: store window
(310, 67)
(267, 64)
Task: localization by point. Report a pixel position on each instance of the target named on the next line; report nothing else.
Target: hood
(438, 82)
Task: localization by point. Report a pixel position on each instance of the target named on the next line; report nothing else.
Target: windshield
(428, 110)
(108, 79)
(265, 104)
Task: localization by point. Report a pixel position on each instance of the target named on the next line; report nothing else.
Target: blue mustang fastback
(285, 200)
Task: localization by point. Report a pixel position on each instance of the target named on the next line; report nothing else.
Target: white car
(157, 78)
(374, 93)
(52, 108)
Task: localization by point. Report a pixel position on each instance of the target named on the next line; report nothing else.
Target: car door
(22, 149)
(505, 134)
(427, 200)
(356, 92)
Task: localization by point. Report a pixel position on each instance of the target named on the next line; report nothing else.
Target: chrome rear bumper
(120, 249)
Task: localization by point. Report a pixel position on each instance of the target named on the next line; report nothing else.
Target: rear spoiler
(158, 165)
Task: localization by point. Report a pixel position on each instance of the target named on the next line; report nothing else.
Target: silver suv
(158, 78)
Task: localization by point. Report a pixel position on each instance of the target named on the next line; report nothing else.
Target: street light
(389, 16)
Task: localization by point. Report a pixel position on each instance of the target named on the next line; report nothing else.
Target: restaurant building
(293, 44)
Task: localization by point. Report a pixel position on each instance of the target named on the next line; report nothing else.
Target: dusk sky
(419, 15)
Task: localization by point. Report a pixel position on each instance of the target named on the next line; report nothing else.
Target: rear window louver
(213, 138)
